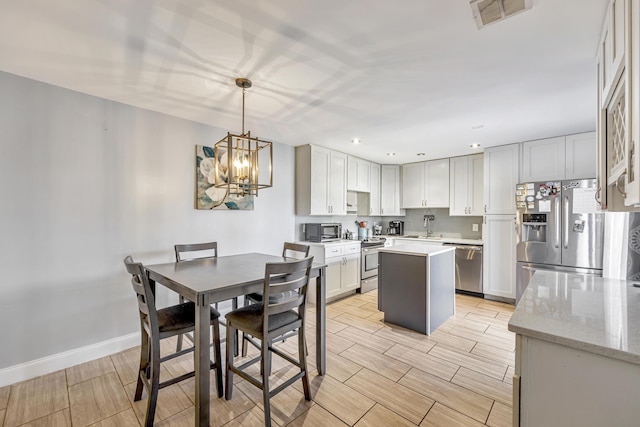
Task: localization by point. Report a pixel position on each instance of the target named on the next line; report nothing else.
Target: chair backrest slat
(186, 252)
(144, 294)
(295, 250)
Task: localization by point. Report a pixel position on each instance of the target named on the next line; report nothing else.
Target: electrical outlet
(474, 227)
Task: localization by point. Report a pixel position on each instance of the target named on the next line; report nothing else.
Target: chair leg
(144, 364)
(179, 344)
(229, 356)
(244, 345)
(302, 352)
(155, 381)
(265, 362)
(217, 355)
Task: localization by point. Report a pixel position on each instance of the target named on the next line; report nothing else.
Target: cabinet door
(543, 160)
(499, 256)
(319, 191)
(364, 176)
(501, 166)
(338, 184)
(580, 156)
(334, 276)
(436, 175)
(476, 187)
(413, 185)
(352, 174)
(350, 273)
(374, 187)
(390, 190)
(459, 186)
(633, 115)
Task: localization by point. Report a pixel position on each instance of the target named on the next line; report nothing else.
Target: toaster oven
(315, 232)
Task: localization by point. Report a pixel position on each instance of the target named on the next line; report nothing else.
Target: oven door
(369, 263)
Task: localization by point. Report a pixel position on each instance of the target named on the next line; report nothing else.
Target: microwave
(314, 232)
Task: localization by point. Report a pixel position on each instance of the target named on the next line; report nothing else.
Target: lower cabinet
(499, 256)
(343, 267)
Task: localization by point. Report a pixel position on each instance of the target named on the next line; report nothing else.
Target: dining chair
(269, 320)
(158, 324)
(189, 252)
(291, 250)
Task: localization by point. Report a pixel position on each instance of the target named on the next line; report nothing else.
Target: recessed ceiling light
(391, 154)
(421, 154)
(477, 127)
(476, 145)
(355, 141)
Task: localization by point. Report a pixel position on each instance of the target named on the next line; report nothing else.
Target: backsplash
(460, 226)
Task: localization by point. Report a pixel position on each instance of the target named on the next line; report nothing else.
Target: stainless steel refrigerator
(559, 227)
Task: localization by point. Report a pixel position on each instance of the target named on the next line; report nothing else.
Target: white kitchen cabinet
(543, 159)
(499, 256)
(374, 190)
(465, 185)
(390, 191)
(501, 174)
(580, 156)
(343, 267)
(358, 174)
(426, 184)
(320, 181)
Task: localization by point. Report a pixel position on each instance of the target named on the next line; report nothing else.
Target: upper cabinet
(390, 191)
(358, 175)
(465, 185)
(321, 176)
(426, 184)
(570, 157)
(618, 119)
(501, 172)
(374, 193)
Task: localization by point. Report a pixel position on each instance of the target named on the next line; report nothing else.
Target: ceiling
(404, 76)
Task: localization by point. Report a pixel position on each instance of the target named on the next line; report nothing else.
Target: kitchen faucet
(427, 223)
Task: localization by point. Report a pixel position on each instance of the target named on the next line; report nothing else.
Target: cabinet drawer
(333, 251)
(352, 248)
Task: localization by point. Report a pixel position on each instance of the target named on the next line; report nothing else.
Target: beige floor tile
(252, 418)
(504, 342)
(377, 316)
(433, 365)
(225, 410)
(504, 316)
(89, 370)
(171, 400)
(4, 396)
(451, 395)
(181, 419)
(384, 365)
(96, 399)
(499, 331)
(407, 337)
(500, 323)
(508, 377)
(490, 387)
(362, 311)
(466, 323)
(398, 398)
(317, 416)
(58, 419)
(494, 353)
(36, 398)
(126, 364)
(286, 406)
(477, 363)
(338, 344)
(342, 401)
(500, 416)
(489, 312)
(381, 416)
(366, 339)
(121, 419)
(441, 416)
(451, 341)
(501, 307)
(366, 325)
(338, 367)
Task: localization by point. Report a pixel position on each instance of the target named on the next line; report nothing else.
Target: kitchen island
(577, 352)
(416, 285)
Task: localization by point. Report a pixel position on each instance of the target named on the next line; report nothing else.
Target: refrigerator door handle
(565, 222)
(556, 242)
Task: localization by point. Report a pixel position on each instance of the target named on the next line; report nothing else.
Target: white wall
(85, 182)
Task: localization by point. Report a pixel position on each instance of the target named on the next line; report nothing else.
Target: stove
(369, 263)
(373, 242)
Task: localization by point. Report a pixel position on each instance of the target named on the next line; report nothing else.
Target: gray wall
(84, 182)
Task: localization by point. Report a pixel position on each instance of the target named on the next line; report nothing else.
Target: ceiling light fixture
(421, 154)
(477, 127)
(241, 160)
(475, 145)
(356, 141)
(391, 154)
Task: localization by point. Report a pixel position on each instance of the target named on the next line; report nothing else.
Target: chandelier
(243, 163)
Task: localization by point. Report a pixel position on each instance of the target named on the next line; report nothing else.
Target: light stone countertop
(593, 314)
(414, 249)
(435, 239)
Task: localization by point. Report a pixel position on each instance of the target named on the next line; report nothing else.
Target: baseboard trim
(55, 362)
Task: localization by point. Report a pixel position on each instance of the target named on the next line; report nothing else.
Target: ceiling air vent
(487, 12)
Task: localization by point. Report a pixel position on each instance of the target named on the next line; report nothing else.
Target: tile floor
(378, 375)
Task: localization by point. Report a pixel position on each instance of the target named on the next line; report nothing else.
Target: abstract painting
(207, 195)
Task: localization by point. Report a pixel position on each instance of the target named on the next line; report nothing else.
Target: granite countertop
(414, 249)
(588, 313)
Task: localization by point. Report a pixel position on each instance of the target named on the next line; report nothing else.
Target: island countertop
(417, 249)
(593, 314)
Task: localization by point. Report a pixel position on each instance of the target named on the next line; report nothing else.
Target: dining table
(210, 280)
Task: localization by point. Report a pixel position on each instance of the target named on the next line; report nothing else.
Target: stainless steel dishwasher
(468, 268)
